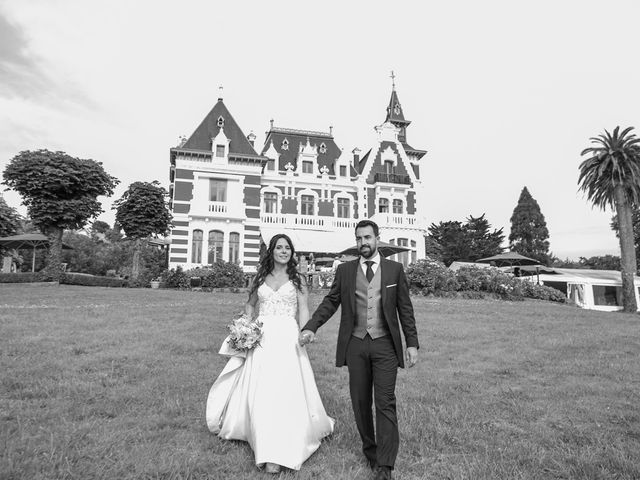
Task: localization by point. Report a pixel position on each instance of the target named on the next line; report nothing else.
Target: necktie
(369, 270)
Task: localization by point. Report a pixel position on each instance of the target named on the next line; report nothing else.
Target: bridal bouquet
(245, 333)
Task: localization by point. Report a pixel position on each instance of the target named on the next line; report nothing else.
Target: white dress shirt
(376, 263)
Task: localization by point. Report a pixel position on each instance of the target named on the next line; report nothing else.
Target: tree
(482, 242)
(59, 191)
(635, 220)
(529, 234)
(9, 219)
(610, 176)
(452, 240)
(141, 212)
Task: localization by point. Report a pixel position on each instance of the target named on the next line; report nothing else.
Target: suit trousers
(373, 365)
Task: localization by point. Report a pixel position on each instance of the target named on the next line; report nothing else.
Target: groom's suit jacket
(396, 307)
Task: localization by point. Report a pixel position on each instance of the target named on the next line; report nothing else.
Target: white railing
(217, 207)
(306, 221)
(394, 220)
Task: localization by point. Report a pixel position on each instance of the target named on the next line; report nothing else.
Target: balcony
(307, 221)
(397, 220)
(392, 178)
(217, 207)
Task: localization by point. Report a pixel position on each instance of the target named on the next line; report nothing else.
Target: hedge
(92, 280)
(23, 277)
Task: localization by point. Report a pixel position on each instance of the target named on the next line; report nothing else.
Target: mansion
(227, 200)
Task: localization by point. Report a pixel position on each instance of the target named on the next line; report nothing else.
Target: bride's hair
(265, 267)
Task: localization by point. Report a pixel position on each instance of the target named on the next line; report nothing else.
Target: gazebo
(29, 240)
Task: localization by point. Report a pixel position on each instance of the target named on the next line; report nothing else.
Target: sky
(502, 94)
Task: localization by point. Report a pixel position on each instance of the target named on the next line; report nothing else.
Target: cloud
(20, 72)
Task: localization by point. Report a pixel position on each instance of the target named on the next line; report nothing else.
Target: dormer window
(323, 148)
(220, 151)
(220, 121)
(271, 164)
(343, 170)
(396, 109)
(307, 166)
(285, 144)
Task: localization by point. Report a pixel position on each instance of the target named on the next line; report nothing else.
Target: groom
(374, 295)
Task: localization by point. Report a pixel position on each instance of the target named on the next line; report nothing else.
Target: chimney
(331, 130)
(356, 156)
(271, 121)
(252, 138)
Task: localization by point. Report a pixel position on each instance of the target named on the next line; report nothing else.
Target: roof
(288, 151)
(200, 139)
(394, 110)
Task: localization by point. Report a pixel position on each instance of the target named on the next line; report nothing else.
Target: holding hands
(306, 336)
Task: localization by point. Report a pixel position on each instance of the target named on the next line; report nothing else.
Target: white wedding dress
(269, 398)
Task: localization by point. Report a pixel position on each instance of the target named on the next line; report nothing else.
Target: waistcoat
(369, 317)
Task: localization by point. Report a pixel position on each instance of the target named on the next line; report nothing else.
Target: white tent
(592, 289)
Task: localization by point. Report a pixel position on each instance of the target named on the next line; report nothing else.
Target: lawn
(99, 383)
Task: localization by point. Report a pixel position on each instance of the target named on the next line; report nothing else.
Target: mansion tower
(227, 200)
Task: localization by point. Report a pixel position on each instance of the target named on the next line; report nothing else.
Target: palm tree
(611, 177)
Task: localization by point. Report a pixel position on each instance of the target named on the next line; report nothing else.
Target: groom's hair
(369, 223)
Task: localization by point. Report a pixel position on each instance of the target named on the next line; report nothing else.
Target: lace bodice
(282, 302)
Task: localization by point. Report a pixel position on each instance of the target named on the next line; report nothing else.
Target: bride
(269, 396)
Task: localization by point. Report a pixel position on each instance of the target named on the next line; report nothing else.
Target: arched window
(196, 247)
(343, 208)
(383, 205)
(234, 247)
(307, 205)
(270, 202)
(397, 206)
(403, 257)
(216, 237)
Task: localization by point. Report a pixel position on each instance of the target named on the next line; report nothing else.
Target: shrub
(431, 276)
(218, 275)
(23, 277)
(92, 280)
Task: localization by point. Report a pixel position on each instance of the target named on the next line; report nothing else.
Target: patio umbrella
(29, 240)
(385, 249)
(509, 259)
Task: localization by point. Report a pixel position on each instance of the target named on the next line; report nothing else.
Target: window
(397, 206)
(343, 208)
(217, 190)
(388, 166)
(219, 150)
(234, 247)
(607, 295)
(343, 170)
(403, 257)
(216, 237)
(323, 148)
(383, 205)
(271, 164)
(414, 254)
(307, 205)
(196, 247)
(285, 144)
(307, 166)
(221, 121)
(270, 202)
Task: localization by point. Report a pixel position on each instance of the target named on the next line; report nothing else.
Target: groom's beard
(367, 252)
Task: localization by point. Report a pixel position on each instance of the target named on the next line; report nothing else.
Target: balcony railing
(217, 207)
(392, 178)
(307, 221)
(394, 220)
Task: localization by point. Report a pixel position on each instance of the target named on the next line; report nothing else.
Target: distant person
(369, 341)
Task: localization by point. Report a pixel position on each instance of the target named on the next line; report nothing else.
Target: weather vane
(393, 80)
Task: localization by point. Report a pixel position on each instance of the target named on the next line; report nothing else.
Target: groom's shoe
(384, 473)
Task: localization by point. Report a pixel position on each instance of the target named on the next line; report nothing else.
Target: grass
(99, 383)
